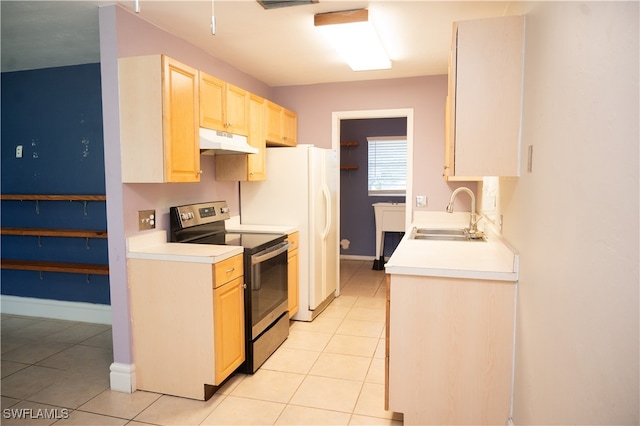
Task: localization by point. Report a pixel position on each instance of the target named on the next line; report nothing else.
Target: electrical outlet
(146, 219)
(19, 151)
(421, 201)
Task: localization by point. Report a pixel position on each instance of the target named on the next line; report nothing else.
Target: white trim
(56, 309)
(122, 377)
(356, 257)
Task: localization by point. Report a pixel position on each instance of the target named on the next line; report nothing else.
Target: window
(387, 165)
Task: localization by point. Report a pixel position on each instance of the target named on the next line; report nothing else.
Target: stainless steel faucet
(473, 223)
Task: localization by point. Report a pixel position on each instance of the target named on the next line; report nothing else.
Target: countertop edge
(170, 257)
(449, 273)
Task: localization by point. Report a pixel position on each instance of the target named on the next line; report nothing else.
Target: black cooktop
(204, 223)
(251, 242)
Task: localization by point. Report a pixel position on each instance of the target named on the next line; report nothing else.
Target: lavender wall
(426, 95)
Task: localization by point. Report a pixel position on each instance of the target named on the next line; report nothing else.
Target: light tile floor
(328, 372)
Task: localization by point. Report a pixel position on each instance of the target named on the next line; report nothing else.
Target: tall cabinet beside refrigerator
(300, 190)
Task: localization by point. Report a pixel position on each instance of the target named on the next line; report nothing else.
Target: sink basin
(441, 237)
(443, 234)
(440, 231)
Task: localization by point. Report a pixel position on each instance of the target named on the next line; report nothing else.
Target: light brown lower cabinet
(187, 323)
(293, 292)
(449, 349)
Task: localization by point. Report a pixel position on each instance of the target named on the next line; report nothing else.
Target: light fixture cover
(354, 37)
(276, 4)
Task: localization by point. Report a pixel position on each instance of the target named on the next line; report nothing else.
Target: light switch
(421, 201)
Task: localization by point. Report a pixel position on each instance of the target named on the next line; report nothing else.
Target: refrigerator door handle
(327, 199)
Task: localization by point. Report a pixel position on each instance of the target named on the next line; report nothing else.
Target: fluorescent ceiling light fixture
(354, 37)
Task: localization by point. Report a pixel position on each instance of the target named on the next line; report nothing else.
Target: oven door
(268, 287)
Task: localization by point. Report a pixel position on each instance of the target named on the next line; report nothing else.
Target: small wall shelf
(348, 144)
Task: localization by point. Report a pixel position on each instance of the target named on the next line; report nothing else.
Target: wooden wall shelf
(36, 197)
(348, 144)
(41, 266)
(349, 167)
(45, 232)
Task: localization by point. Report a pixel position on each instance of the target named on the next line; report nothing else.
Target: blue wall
(357, 221)
(56, 115)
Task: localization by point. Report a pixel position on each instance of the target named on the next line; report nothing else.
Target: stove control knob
(224, 210)
(191, 216)
(184, 216)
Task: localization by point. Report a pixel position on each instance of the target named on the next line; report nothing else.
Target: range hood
(213, 142)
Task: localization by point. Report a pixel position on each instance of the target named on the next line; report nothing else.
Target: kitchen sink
(440, 231)
(442, 234)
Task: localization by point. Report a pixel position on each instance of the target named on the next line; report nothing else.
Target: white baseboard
(122, 377)
(356, 257)
(56, 309)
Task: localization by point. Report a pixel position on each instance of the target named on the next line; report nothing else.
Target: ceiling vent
(276, 4)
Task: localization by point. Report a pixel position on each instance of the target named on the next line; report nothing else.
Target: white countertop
(493, 259)
(234, 224)
(154, 246)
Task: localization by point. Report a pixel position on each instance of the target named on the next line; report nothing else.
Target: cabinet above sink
(484, 100)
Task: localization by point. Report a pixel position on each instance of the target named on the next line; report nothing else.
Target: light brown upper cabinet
(247, 167)
(484, 100)
(282, 125)
(223, 106)
(158, 120)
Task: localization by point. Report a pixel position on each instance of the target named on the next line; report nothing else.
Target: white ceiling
(280, 47)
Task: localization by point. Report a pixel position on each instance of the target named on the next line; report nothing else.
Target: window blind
(387, 161)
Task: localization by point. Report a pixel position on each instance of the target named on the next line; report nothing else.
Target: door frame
(338, 116)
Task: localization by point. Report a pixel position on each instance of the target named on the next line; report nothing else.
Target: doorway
(337, 118)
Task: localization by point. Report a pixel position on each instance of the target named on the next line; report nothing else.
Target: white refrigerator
(301, 190)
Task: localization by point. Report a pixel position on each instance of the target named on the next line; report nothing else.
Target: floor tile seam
(208, 412)
(316, 408)
(106, 415)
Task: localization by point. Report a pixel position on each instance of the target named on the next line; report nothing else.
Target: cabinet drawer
(293, 240)
(227, 270)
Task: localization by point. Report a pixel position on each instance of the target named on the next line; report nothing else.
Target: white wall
(574, 218)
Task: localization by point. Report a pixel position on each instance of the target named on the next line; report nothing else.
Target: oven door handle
(269, 253)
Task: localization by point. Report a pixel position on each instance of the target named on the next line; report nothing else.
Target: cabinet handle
(230, 270)
(244, 285)
(199, 173)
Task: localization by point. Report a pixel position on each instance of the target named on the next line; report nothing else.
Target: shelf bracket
(87, 241)
(88, 278)
(41, 275)
(39, 241)
(37, 207)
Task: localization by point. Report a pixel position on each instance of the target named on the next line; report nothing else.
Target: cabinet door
(290, 128)
(450, 107)
(488, 75)
(181, 134)
(237, 110)
(293, 275)
(274, 123)
(211, 102)
(228, 313)
(257, 163)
